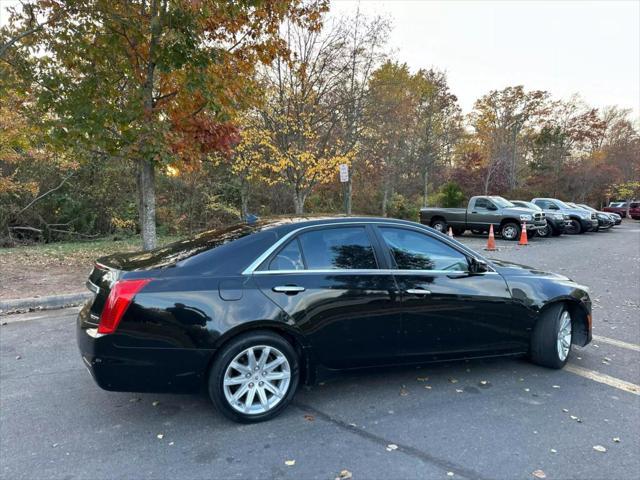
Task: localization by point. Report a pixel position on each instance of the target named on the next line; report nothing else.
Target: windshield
(616, 204)
(530, 205)
(586, 207)
(562, 204)
(502, 202)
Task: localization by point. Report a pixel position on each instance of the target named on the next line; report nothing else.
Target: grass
(70, 253)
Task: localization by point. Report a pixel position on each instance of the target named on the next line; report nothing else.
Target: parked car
(606, 220)
(580, 221)
(252, 311)
(556, 222)
(481, 213)
(617, 207)
(621, 209)
(617, 219)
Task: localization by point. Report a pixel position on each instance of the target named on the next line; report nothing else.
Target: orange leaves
(194, 138)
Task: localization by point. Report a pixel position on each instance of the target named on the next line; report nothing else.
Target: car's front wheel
(551, 339)
(574, 227)
(254, 377)
(545, 232)
(510, 231)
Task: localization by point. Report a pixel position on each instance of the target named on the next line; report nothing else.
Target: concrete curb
(42, 303)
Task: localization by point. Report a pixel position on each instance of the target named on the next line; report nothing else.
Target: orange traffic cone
(523, 235)
(491, 243)
(450, 232)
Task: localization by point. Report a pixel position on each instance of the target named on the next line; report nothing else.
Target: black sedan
(252, 311)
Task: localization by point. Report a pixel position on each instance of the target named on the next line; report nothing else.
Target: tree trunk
(147, 203)
(385, 199)
(244, 200)
(628, 208)
(146, 173)
(425, 193)
(487, 179)
(298, 202)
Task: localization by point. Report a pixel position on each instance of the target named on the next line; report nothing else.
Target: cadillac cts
(252, 311)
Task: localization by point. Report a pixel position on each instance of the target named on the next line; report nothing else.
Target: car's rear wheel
(574, 227)
(440, 225)
(551, 339)
(254, 377)
(510, 231)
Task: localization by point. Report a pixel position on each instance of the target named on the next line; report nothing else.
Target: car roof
(283, 225)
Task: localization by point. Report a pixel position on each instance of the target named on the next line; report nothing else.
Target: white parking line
(617, 343)
(602, 378)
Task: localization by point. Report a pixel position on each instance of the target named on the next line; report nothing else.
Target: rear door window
(338, 248)
(289, 258)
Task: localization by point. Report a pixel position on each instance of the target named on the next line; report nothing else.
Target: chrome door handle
(288, 289)
(418, 291)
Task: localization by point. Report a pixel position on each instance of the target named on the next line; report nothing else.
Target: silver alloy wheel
(509, 232)
(564, 336)
(439, 226)
(545, 232)
(257, 379)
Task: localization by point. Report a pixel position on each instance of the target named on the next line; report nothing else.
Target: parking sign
(344, 172)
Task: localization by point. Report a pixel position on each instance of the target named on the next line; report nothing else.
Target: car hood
(518, 211)
(509, 269)
(576, 211)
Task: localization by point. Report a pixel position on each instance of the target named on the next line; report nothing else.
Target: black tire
(545, 232)
(229, 351)
(556, 233)
(440, 225)
(510, 231)
(575, 228)
(544, 349)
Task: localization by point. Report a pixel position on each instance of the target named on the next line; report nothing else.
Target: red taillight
(117, 303)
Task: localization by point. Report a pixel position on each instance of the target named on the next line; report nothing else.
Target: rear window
(344, 248)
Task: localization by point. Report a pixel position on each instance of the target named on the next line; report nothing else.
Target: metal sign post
(344, 179)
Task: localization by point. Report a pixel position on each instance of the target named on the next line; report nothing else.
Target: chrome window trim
(252, 268)
(379, 271)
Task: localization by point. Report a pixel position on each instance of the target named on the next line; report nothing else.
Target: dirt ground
(54, 269)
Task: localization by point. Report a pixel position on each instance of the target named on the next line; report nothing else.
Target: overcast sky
(565, 47)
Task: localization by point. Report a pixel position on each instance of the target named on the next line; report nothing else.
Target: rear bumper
(126, 369)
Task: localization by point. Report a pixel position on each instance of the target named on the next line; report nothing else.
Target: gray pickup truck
(482, 212)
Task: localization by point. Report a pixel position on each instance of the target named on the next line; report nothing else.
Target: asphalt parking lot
(502, 418)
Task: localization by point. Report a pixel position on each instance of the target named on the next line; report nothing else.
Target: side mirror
(491, 207)
(553, 207)
(477, 266)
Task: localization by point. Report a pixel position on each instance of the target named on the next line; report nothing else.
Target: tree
(302, 110)
(390, 113)
(251, 158)
(498, 119)
(364, 43)
(439, 123)
(152, 81)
